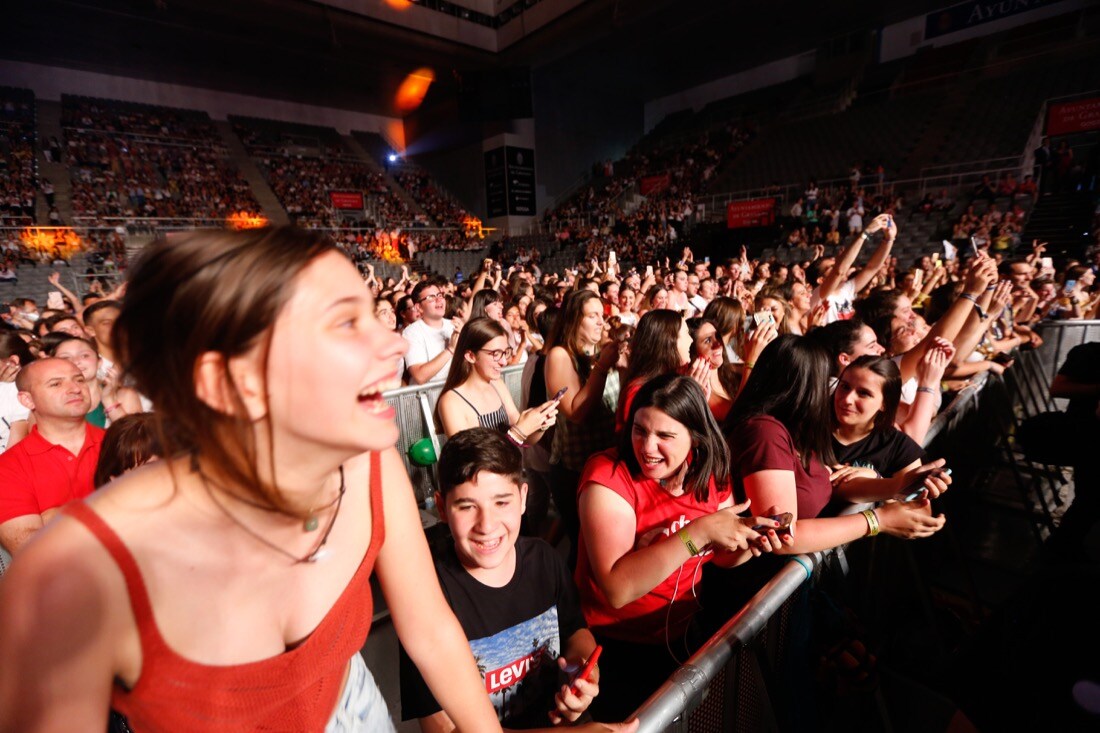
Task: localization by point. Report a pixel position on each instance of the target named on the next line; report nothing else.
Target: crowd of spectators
(441, 208)
(672, 178)
(659, 396)
(18, 173)
(136, 161)
(823, 215)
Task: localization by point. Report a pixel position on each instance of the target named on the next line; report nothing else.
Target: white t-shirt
(426, 343)
(10, 411)
(841, 302)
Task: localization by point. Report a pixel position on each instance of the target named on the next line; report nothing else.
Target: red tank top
(294, 691)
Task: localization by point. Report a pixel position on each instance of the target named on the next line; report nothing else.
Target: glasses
(434, 296)
(498, 354)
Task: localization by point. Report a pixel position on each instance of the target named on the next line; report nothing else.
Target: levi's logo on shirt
(498, 679)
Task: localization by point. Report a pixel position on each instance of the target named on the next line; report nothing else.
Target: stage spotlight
(392, 158)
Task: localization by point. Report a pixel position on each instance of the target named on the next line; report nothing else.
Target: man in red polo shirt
(55, 463)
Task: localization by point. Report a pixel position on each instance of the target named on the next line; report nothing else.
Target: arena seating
(441, 209)
(141, 161)
(18, 170)
(304, 163)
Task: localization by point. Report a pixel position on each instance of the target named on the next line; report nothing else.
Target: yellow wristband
(872, 522)
(688, 542)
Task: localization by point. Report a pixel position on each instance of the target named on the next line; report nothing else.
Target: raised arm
(578, 399)
(982, 273)
(881, 253)
(836, 276)
(78, 304)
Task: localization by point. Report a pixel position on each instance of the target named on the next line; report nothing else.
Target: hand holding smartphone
(586, 671)
(915, 490)
(785, 519)
(762, 317)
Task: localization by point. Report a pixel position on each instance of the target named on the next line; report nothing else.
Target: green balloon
(422, 452)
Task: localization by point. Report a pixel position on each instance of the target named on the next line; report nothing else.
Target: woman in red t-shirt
(653, 511)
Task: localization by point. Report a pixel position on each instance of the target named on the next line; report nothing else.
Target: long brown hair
(653, 348)
(210, 292)
(566, 331)
(728, 316)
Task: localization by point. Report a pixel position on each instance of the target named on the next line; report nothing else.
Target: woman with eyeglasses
(475, 395)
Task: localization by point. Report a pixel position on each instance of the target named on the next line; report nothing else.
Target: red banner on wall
(752, 213)
(352, 200)
(654, 184)
(1068, 117)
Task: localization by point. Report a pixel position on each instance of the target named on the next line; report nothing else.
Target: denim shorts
(361, 707)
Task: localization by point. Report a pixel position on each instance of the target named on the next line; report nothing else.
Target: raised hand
(764, 334)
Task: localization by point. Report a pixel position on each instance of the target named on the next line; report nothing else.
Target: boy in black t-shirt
(513, 595)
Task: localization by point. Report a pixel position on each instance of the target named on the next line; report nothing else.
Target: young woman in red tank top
(226, 587)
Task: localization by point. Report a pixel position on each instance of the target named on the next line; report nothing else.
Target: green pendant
(311, 523)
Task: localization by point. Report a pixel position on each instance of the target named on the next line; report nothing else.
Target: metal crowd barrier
(1059, 337)
(415, 408)
(722, 687)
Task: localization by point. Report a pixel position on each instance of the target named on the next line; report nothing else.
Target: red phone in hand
(587, 670)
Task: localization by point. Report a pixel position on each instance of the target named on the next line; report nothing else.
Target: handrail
(931, 170)
(148, 137)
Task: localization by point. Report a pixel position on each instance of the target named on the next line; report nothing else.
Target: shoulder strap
(378, 524)
(471, 404)
(135, 585)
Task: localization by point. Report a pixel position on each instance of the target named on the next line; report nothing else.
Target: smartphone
(558, 395)
(763, 317)
(706, 259)
(936, 257)
(586, 672)
(784, 527)
(1069, 286)
(1047, 263)
(974, 246)
(915, 491)
(54, 302)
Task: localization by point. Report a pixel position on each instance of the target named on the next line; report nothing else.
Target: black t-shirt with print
(886, 451)
(516, 633)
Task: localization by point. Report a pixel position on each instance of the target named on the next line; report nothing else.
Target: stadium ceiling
(346, 57)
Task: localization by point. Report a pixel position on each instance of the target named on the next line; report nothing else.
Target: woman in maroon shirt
(780, 439)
